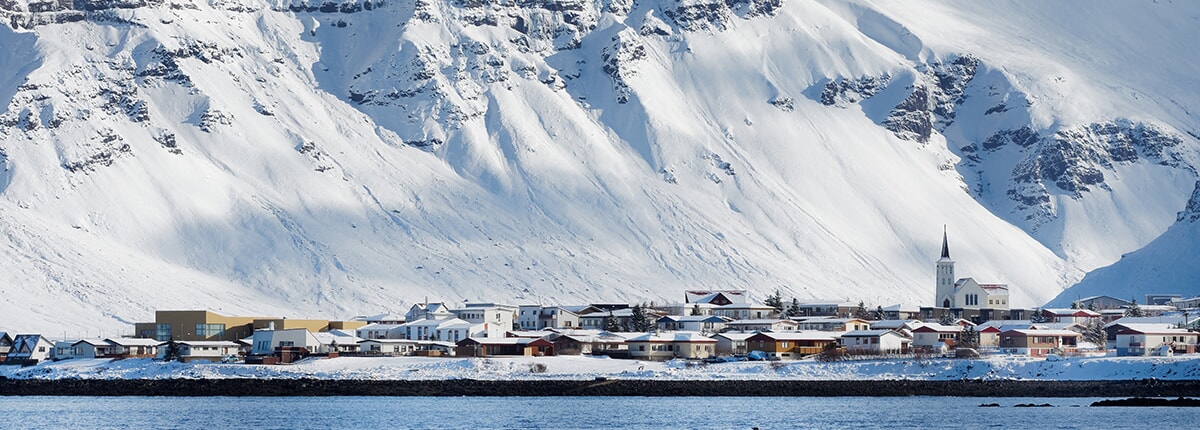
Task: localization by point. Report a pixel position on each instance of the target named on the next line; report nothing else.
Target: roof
(760, 321)
(1165, 319)
(505, 341)
(1156, 330)
(681, 336)
(799, 335)
(1072, 312)
(92, 342)
(937, 328)
(433, 323)
(386, 341)
(870, 333)
(132, 341)
(204, 343)
(1060, 333)
(743, 306)
(998, 288)
(693, 318)
(894, 324)
(735, 336)
(945, 245)
(329, 338)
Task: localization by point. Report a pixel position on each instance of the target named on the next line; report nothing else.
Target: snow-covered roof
(938, 328)
(1072, 312)
(870, 333)
(93, 342)
(679, 336)
(1060, 333)
(433, 323)
(736, 306)
(388, 341)
(1152, 329)
(501, 340)
(217, 343)
(133, 341)
(694, 318)
(530, 333)
(995, 288)
(761, 322)
(894, 324)
(734, 336)
(327, 338)
(1164, 319)
(799, 335)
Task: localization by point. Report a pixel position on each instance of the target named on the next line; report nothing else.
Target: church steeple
(945, 276)
(945, 245)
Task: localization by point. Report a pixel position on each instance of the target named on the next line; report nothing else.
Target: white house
(5, 344)
(32, 347)
(665, 346)
(265, 341)
(965, 293)
(201, 350)
(536, 317)
(131, 347)
(90, 348)
(336, 341)
(700, 323)
(730, 343)
(1150, 339)
(391, 347)
(831, 324)
(875, 342)
(495, 318)
(449, 330)
(750, 325)
(936, 337)
(428, 311)
(744, 311)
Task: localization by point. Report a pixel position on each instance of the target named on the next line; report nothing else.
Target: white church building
(965, 293)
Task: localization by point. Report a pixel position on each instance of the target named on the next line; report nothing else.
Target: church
(965, 293)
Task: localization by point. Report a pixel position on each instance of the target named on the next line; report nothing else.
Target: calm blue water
(575, 412)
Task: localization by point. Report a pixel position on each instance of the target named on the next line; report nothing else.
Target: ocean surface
(579, 412)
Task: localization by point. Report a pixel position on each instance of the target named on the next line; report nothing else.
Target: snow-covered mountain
(330, 159)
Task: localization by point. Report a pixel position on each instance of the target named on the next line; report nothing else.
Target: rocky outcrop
(934, 99)
(846, 91)
(620, 60)
(1191, 213)
(717, 15)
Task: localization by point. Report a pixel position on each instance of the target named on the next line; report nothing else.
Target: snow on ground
(586, 368)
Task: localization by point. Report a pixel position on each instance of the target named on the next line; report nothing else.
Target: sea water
(699, 412)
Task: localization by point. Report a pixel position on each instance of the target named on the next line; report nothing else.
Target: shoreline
(598, 387)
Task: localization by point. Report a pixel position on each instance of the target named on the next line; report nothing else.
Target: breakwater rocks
(598, 387)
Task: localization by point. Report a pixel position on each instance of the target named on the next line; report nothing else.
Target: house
(427, 311)
(85, 348)
(704, 309)
(753, 325)
(381, 319)
(1154, 339)
(826, 308)
(1038, 343)
(504, 346)
(936, 338)
(731, 343)
(716, 297)
(269, 342)
(129, 347)
(380, 331)
(667, 346)
(387, 347)
(495, 318)
(336, 341)
(875, 342)
(201, 350)
(832, 324)
(700, 323)
(6, 342)
(1078, 316)
(1186, 304)
(588, 344)
(1162, 299)
(450, 330)
(793, 345)
(989, 337)
(1112, 328)
(62, 350)
(622, 319)
(30, 348)
(904, 327)
(535, 317)
(965, 293)
(900, 312)
(744, 311)
(1100, 303)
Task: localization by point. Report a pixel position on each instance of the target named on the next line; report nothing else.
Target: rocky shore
(598, 387)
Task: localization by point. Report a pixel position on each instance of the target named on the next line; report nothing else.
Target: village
(707, 326)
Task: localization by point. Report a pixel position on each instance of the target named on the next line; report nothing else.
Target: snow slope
(334, 159)
(589, 368)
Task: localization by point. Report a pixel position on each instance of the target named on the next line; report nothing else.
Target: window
(163, 332)
(210, 330)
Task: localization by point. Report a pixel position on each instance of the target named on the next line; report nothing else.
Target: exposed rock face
(1191, 213)
(934, 98)
(845, 91)
(717, 15)
(620, 62)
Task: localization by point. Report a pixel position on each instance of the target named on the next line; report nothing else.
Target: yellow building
(191, 325)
